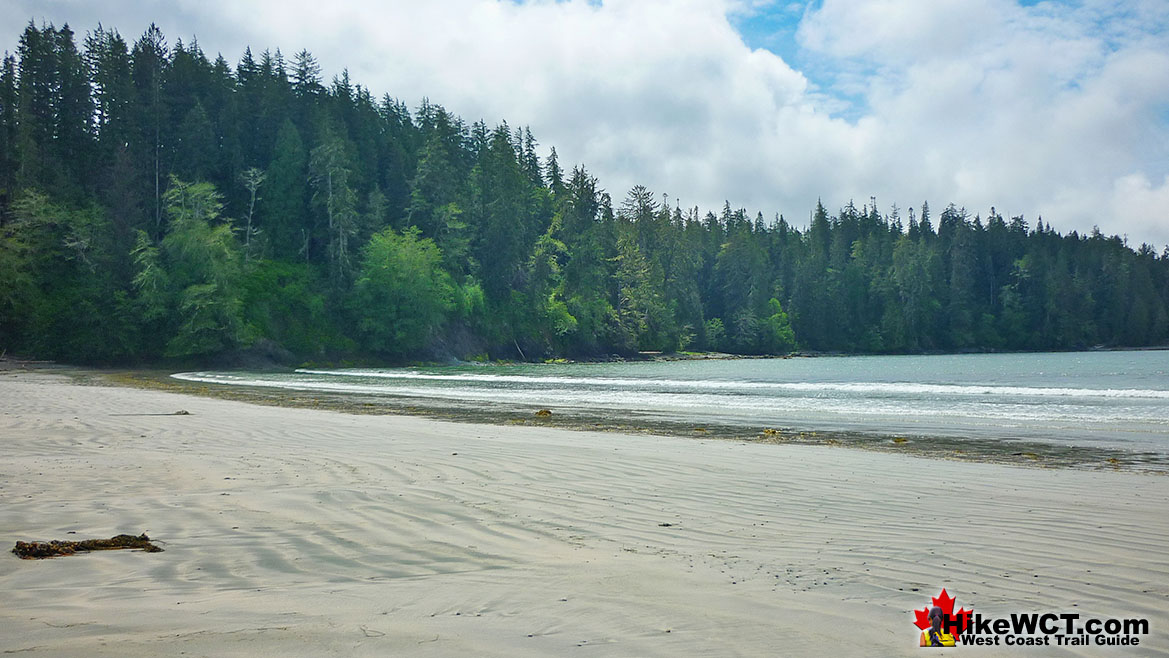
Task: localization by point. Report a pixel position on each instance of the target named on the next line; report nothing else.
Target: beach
(293, 531)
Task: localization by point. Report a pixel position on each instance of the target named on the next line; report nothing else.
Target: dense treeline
(154, 203)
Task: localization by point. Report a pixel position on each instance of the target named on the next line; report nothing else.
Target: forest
(159, 205)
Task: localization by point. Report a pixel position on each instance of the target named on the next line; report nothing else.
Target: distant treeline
(157, 204)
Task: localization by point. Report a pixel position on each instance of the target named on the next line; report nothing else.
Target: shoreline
(243, 357)
(302, 532)
(1023, 452)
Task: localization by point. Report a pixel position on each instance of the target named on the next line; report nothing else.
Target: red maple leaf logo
(946, 603)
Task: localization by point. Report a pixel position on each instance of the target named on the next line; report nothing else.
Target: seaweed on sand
(36, 550)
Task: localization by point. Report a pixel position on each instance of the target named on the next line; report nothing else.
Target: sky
(1056, 109)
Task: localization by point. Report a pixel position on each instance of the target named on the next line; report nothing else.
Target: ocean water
(1114, 399)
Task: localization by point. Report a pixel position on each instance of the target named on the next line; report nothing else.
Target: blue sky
(775, 27)
(772, 28)
(1057, 109)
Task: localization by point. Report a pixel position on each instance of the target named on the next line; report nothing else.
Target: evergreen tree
(8, 136)
(108, 62)
(501, 214)
(554, 175)
(148, 62)
(283, 209)
(34, 110)
(336, 201)
(74, 112)
(196, 153)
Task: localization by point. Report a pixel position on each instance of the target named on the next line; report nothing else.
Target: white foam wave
(706, 404)
(862, 388)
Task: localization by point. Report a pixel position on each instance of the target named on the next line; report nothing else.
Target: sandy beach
(305, 532)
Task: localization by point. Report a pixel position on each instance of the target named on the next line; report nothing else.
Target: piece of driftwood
(36, 550)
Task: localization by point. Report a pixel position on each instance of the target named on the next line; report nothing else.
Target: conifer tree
(148, 64)
(283, 208)
(8, 154)
(337, 202)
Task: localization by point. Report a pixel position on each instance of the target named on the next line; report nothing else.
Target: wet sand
(310, 532)
(1001, 450)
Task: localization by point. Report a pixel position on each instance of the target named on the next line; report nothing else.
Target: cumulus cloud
(1053, 109)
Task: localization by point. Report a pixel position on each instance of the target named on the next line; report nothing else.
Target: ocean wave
(700, 404)
(891, 389)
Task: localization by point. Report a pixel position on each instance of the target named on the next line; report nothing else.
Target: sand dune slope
(299, 532)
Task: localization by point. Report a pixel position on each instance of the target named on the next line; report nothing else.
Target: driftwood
(36, 550)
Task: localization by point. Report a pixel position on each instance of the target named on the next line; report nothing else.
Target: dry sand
(301, 532)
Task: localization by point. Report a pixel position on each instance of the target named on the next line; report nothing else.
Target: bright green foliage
(555, 323)
(470, 303)
(643, 321)
(62, 299)
(585, 276)
(191, 283)
(20, 281)
(716, 334)
(402, 296)
(286, 303)
(777, 335)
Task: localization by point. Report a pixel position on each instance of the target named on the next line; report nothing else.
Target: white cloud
(899, 30)
(1055, 109)
(1135, 197)
(1043, 111)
